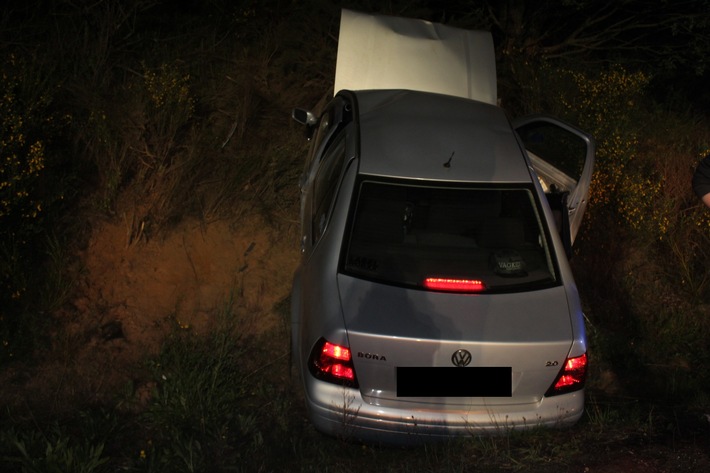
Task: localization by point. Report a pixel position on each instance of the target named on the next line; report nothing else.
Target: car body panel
(473, 138)
(390, 327)
(342, 412)
(371, 307)
(386, 52)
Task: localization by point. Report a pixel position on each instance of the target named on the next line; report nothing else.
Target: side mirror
(304, 117)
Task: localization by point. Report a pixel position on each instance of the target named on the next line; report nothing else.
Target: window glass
(404, 233)
(327, 124)
(318, 137)
(326, 184)
(561, 148)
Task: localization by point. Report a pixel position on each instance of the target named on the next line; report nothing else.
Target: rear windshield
(408, 233)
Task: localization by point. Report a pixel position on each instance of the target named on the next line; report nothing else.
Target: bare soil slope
(131, 295)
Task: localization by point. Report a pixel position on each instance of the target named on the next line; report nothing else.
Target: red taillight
(454, 285)
(571, 377)
(336, 351)
(333, 363)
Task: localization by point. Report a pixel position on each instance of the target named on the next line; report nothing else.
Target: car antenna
(447, 164)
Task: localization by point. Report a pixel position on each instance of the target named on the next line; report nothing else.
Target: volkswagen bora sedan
(434, 296)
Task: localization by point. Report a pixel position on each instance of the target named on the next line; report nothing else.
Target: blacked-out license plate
(454, 381)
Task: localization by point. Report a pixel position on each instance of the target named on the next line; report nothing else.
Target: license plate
(454, 382)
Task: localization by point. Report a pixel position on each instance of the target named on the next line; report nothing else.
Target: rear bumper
(342, 412)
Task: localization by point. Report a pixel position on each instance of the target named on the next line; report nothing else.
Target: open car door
(563, 158)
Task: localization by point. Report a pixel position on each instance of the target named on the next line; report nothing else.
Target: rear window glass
(406, 233)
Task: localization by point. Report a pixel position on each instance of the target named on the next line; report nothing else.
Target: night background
(149, 230)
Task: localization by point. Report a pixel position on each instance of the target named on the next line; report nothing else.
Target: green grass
(196, 415)
(52, 450)
(214, 404)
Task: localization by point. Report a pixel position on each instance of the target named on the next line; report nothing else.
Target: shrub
(30, 183)
(169, 108)
(22, 151)
(606, 104)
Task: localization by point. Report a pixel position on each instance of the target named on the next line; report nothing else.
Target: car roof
(421, 135)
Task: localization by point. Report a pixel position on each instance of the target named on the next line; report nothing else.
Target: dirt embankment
(130, 295)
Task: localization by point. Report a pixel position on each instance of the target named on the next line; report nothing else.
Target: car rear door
(327, 149)
(563, 158)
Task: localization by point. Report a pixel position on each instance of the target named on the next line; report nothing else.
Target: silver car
(434, 296)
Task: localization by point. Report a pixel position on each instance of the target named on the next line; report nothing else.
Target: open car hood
(384, 52)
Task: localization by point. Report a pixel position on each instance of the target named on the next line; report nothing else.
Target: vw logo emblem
(461, 358)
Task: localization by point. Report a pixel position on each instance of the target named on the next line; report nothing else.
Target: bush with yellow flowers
(22, 151)
(605, 103)
(646, 238)
(22, 161)
(169, 108)
(27, 126)
(639, 176)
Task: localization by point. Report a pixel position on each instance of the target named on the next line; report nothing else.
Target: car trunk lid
(389, 328)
